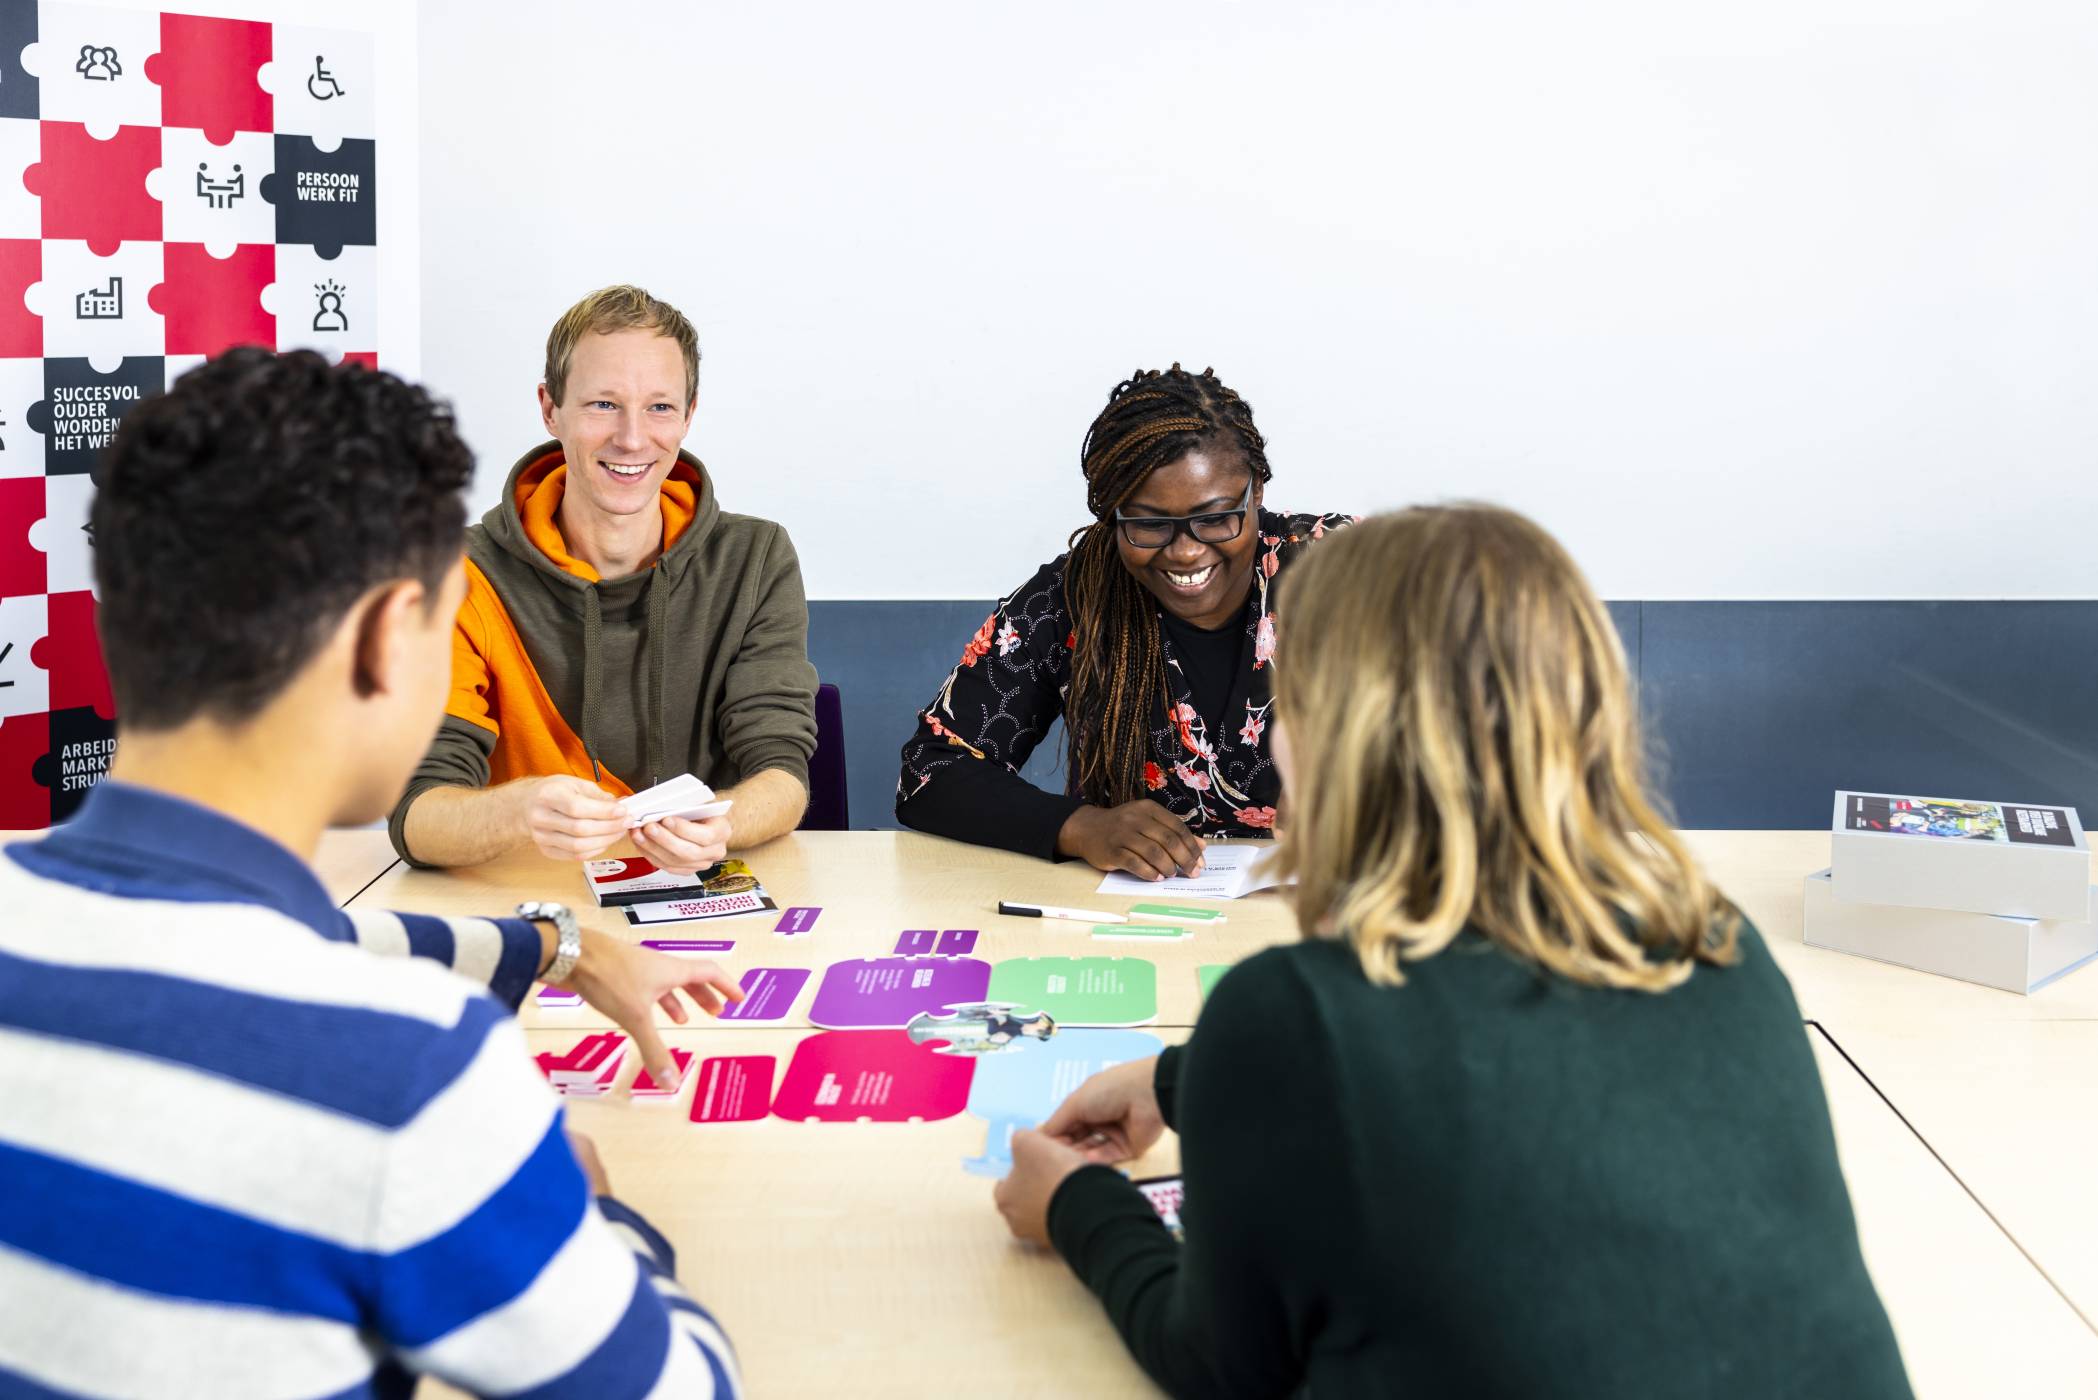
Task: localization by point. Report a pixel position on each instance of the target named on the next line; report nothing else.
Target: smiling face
(1202, 584)
(623, 415)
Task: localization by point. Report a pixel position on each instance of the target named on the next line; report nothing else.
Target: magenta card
(844, 1076)
(914, 942)
(645, 1086)
(889, 991)
(690, 945)
(733, 1089)
(800, 919)
(957, 943)
(558, 997)
(767, 993)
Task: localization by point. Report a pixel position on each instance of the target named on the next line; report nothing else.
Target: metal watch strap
(568, 939)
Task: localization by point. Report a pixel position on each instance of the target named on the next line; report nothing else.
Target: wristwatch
(568, 942)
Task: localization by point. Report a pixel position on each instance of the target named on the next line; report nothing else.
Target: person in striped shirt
(241, 1155)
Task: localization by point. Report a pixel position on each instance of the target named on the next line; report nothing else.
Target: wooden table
(349, 858)
(864, 1251)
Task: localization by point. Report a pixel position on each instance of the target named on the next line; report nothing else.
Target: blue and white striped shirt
(240, 1156)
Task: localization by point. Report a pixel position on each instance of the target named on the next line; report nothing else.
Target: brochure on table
(651, 896)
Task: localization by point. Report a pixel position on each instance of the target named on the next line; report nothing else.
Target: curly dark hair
(1118, 669)
(243, 511)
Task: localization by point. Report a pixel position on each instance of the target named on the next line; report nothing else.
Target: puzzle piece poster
(171, 185)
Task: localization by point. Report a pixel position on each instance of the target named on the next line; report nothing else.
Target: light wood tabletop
(788, 1229)
(348, 859)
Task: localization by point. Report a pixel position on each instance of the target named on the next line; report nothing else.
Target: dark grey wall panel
(1763, 710)
(1759, 710)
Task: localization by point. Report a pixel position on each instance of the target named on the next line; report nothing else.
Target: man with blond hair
(620, 628)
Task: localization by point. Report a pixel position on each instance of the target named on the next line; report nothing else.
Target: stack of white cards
(683, 796)
(1992, 892)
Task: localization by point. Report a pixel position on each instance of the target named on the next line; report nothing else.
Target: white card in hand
(683, 796)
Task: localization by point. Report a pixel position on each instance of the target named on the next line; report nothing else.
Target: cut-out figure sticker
(329, 316)
(979, 1027)
(98, 64)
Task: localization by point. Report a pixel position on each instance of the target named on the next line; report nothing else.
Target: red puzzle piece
(22, 571)
(25, 805)
(96, 190)
(21, 330)
(206, 69)
(72, 652)
(213, 305)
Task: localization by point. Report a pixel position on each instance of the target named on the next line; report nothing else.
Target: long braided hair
(1118, 670)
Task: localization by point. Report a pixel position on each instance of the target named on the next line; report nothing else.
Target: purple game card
(914, 942)
(799, 919)
(690, 945)
(878, 992)
(957, 943)
(767, 993)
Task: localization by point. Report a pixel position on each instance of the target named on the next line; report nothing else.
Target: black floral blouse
(961, 768)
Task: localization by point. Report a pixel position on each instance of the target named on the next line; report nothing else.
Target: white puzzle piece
(94, 307)
(325, 304)
(69, 555)
(320, 83)
(25, 687)
(213, 194)
(90, 65)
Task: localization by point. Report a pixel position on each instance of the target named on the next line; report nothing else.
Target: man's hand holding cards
(680, 825)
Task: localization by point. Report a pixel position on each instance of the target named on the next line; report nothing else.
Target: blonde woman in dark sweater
(1529, 1110)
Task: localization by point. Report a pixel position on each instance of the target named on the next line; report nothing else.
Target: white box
(2024, 859)
(2017, 955)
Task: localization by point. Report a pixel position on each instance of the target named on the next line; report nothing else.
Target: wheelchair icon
(321, 83)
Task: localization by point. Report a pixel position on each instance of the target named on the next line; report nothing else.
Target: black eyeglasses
(1210, 527)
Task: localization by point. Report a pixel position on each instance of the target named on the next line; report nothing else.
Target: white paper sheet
(1228, 872)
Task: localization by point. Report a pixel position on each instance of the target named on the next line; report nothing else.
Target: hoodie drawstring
(658, 599)
(593, 627)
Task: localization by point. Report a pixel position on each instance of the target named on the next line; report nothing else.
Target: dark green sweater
(1487, 1182)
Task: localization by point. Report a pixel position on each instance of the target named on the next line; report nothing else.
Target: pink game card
(645, 1087)
(916, 941)
(733, 1089)
(844, 1076)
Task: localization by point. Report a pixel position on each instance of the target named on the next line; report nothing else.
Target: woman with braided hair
(1153, 639)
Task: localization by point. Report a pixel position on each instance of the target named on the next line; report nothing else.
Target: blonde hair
(621, 308)
(1468, 752)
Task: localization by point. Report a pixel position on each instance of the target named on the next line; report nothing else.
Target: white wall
(1791, 299)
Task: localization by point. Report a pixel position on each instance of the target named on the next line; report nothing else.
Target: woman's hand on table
(1139, 837)
(1112, 1117)
(1040, 1164)
(628, 983)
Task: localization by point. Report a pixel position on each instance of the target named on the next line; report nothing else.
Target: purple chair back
(828, 809)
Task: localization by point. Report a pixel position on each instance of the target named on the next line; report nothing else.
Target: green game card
(1206, 977)
(1163, 933)
(1080, 991)
(1178, 911)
